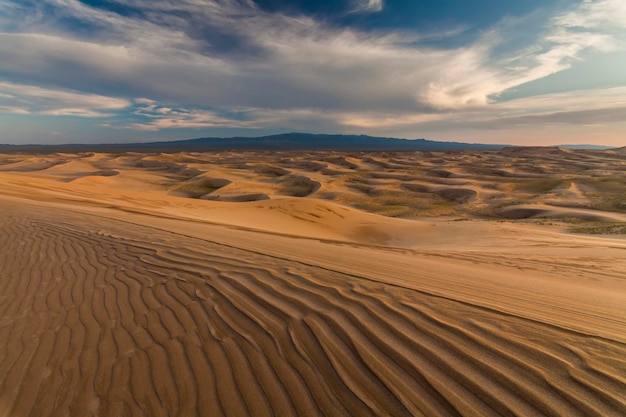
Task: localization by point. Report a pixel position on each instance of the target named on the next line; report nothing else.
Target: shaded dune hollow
(100, 317)
(200, 187)
(462, 195)
(298, 186)
(239, 198)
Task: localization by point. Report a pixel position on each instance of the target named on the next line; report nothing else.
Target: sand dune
(142, 294)
(545, 210)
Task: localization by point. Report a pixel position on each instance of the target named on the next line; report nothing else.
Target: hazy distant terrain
(287, 141)
(293, 282)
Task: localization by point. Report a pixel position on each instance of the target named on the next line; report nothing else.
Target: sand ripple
(109, 318)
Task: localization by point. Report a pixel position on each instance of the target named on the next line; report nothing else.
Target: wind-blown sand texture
(270, 284)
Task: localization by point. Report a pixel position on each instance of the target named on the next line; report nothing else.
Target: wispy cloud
(367, 5)
(477, 74)
(161, 118)
(13, 110)
(590, 14)
(381, 121)
(26, 99)
(538, 112)
(570, 100)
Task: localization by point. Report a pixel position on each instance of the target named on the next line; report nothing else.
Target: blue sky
(528, 72)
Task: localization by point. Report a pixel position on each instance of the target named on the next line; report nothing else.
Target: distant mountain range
(308, 141)
(286, 141)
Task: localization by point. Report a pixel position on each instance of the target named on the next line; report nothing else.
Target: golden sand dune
(136, 294)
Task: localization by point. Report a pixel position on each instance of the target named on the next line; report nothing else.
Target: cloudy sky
(522, 72)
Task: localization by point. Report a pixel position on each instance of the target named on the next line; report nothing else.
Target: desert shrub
(600, 229)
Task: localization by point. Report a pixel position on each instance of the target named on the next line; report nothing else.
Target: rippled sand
(255, 284)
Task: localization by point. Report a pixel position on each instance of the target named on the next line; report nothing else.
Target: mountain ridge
(296, 141)
(284, 141)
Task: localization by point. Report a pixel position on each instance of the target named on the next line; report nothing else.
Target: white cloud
(593, 25)
(23, 99)
(596, 14)
(146, 101)
(604, 98)
(572, 108)
(371, 6)
(475, 74)
(49, 56)
(13, 110)
(63, 96)
(161, 117)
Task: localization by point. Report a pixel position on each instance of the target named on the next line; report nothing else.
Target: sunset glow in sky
(533, 72)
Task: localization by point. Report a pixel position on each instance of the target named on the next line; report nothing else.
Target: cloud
(371, 6)
(538, 112)
(381, 121)
(13, 110)
(27, 99)
(228, 64)
(603, 14)
(592, 25)
(571, 100)
(588, 117)
(298, 62)
(156, 117)
(478, 74)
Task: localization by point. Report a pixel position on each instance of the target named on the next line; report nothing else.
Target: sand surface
(327, 283)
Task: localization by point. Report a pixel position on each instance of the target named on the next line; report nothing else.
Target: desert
(325, 283)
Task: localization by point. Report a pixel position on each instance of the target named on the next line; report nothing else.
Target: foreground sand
(128, 288)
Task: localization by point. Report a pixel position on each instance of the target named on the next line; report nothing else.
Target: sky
(532, 72)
